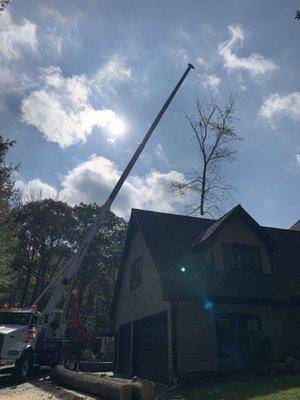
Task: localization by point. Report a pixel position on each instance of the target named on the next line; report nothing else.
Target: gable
(146, 298)
(238, 231)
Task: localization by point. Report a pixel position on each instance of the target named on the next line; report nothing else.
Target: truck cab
(20, 331)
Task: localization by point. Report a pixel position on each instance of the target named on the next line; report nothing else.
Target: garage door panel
(150, 355)
(124, 353)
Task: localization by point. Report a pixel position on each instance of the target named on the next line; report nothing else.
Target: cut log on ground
(109, 389)
(142, 390)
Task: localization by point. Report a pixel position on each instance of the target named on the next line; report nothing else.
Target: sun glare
(116, 126)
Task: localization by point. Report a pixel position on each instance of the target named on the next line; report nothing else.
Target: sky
(81, 82)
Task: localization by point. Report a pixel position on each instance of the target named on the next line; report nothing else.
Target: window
(227, 327)
(136, 273)
(241, 256)
(14, 318)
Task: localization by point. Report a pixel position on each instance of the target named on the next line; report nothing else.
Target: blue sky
(82, 81)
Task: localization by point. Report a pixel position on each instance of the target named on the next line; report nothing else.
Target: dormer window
(136, 273)
(241, 256)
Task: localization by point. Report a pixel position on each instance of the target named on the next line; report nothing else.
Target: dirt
(38, 388)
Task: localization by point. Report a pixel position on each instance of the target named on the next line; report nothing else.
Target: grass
(285, 387)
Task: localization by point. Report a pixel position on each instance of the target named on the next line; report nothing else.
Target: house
(296, 226)
(185, 283)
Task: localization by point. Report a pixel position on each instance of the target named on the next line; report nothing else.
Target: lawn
(270, 388)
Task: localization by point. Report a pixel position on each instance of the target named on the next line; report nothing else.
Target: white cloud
(94, 179)
(61, 109)
(200, 61)
(15, 38)
(35, 190)
(161, 154)
(112, 72)
(211, 81)
(279, 105)
(256, 64)
(112, 141)
(297, 158)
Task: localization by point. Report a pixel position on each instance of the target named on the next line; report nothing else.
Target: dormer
(236, 242)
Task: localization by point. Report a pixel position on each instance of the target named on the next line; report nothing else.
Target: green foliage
(46, 238)
(7, 226)
(99, 270)
(49, 231)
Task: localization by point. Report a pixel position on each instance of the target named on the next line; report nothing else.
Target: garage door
(124, 348)
(150, 348)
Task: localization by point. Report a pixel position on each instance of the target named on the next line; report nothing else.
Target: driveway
(38, 387)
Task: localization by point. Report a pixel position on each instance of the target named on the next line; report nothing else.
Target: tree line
(39, 236)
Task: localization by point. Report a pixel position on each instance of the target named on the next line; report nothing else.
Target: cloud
(62, 111)
(279, 105)
(297, 158)
(161, 154)
(16, 38)
(210, 81)
(113, 71)
(35, 190)
(200, 61)
(112, 141)
(94, 179)
(255, 64)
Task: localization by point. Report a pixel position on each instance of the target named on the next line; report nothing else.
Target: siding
(237, 231)
(196, 342)
(147, 299)
(196, 337)
(281, 324)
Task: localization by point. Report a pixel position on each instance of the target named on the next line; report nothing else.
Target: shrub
(253, 350)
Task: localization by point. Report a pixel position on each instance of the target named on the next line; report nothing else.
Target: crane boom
(73, 265)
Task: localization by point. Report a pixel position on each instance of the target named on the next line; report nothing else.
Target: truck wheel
(23, 367)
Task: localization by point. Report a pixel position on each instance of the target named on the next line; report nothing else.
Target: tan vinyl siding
(196, 342)
(280, 323)
(196, 336)
(146, 299)
(237, 231)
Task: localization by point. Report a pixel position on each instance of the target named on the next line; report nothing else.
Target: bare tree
(214, 135)
(3, 4)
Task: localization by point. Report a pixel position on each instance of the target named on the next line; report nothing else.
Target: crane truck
(29, 336)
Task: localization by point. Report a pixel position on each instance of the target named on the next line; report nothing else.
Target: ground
(269, 388)
(38, 388)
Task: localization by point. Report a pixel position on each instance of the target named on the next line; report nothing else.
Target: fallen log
(142, 390)
(109, 389)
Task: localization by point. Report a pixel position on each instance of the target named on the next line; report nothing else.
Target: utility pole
(74, 263)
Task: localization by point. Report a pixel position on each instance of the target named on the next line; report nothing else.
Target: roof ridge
(280, 229)
(173, 215)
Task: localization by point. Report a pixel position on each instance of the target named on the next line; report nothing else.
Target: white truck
(29, 337)
(19, 333)
(27, 340)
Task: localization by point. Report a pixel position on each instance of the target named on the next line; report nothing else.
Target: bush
(253, 350)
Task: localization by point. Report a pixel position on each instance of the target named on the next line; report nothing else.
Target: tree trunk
(106, 388)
